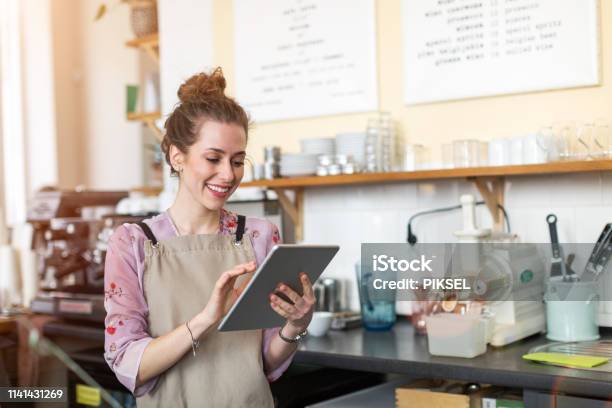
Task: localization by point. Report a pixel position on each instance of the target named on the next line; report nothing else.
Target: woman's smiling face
(213, 166)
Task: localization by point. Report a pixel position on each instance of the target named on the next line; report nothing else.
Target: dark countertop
(401, 351)
(80, 330)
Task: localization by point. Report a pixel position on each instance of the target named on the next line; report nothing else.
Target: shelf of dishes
(378, 149)
(377, 155)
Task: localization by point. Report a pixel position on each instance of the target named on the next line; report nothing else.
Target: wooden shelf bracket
(148, 119)
(492, 191)
(149, 44)
(294, 209)
(152, 51)
(156, 131)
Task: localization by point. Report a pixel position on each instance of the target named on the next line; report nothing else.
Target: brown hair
(201, 98)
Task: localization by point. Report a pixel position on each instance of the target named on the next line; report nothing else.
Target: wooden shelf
(148, 119)
(142, 116)
(471, 172)
(490, 182)
(148, 191)
(149, 44)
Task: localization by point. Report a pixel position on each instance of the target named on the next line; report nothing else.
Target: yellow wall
(437, 123)
(68, 99)
(92, 66)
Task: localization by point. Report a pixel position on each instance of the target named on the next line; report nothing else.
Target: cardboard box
(430, 394)
(447, 394)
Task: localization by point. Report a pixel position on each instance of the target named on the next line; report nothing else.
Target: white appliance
(510, 271)
(522, 270)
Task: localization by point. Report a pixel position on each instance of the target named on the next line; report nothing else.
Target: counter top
(404, 352)
(7, 324)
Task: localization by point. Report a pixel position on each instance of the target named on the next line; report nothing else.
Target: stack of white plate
(298, 164)
(352, 144)
(318, 146)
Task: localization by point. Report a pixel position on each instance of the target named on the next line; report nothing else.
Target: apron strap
(240, 229)
(147, 231)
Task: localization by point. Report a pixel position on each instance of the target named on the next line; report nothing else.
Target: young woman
(170, 280)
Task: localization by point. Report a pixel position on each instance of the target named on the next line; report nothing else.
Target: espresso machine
(71, 231)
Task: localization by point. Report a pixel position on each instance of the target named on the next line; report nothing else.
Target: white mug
(500, 152)
(516, 150)
(535, 149)
(413, 157)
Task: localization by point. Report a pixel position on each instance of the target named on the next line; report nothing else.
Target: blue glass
(377, 314)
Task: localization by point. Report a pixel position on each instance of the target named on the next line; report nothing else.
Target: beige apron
(179, 277)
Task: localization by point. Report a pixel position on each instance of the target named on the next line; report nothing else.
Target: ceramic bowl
(321, 321)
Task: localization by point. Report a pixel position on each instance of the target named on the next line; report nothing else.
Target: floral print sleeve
(126, 329)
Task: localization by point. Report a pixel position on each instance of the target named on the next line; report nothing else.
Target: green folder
(566, 360)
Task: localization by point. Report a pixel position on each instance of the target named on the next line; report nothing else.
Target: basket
(143, 17)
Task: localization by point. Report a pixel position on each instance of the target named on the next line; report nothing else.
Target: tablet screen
(283, 264)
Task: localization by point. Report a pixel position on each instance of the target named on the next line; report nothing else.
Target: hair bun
(202, 86)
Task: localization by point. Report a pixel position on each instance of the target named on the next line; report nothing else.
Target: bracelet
(195, 344)
(294, 340)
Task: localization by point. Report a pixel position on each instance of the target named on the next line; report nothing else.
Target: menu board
(457, 49)
(301, 58)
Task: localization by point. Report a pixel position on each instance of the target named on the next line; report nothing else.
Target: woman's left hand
(299, 312)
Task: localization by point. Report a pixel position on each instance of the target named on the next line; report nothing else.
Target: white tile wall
(576, 190)
(528, 192)
(350, 215)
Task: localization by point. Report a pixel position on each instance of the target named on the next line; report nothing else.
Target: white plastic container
(456, 335)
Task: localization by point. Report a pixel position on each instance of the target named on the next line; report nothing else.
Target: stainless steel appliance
(70, 243)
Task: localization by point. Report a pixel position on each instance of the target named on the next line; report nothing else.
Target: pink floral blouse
(126, 334)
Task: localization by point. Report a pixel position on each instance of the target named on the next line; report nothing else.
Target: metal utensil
(557, 267)
(602, 251)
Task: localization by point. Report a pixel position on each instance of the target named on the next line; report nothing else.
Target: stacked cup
(272, 162)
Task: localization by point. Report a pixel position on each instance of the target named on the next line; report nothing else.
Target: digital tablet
(284, 263)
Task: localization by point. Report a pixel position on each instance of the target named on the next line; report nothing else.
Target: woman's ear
(177, 158)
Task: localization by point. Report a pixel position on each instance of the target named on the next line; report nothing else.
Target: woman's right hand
(224, 294)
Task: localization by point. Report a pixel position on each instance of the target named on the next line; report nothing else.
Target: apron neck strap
(147, 231)
(240, 228)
